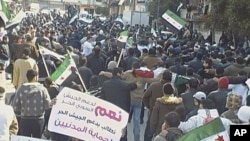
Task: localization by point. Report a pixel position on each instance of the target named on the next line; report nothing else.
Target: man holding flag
(206, 125)
(67, 71)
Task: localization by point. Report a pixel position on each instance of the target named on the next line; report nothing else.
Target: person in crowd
(34, 52)
(197, 98)
(144, 53)
(95, 62)
(170, 130)
(219, 97)
(207, 64)
(42, 40)
(178, 68)
(151, 42)
(206, 113)
(189, 10)
(240, 89)
(21, 66)
(85, 72)
(130, 59)
(117, 91)
(130, 76)
(17, 49)
(102, 78)
(212, 84)
(149, 98)
(159, 70)
(8, 120)
(163, 105)
(233, 104)
(30, 102)
(181, 110)
(5, 54)
(53, 91)
(244, 115)
(73, 55)
(54, 44)
(136, 96)
(187, 96)
(171, 55)
(87, 46)
(196, 63)
(94, 86)
(152, 60)
(137, 52)
(236, 67)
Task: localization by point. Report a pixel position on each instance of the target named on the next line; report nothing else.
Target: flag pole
(45, 65)
(110, 34)
(111, 28)
(120, 57)
(78, 74)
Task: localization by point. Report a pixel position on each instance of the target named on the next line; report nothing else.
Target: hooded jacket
(163, 105)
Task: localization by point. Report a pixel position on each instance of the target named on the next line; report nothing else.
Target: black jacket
(117, 91)
(96, 63)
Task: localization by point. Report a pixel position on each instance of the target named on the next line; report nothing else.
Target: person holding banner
(8, 119)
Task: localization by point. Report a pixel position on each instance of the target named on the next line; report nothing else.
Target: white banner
(22, 138)
(86, 117)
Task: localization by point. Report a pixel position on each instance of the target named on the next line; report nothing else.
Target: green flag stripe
(60, 70)
(5, 10)
(176, 17)
(180, 79)
(130, 41)
(124, 33)
(205, 131)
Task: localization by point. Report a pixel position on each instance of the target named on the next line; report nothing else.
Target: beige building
(118, 6)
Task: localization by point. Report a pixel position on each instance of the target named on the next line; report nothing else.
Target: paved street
(10, 90)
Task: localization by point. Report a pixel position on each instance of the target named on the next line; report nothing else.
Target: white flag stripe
(123, 39)
(172, 21)
(45, 51)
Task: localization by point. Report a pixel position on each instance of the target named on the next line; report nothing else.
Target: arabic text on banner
(86, 117)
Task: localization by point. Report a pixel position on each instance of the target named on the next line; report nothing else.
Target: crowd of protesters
(217, 75)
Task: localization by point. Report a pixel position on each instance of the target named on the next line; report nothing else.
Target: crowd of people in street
(132, 76)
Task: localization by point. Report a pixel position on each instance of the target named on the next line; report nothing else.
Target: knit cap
(112, 65)
(244, 114)
(223, 82)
